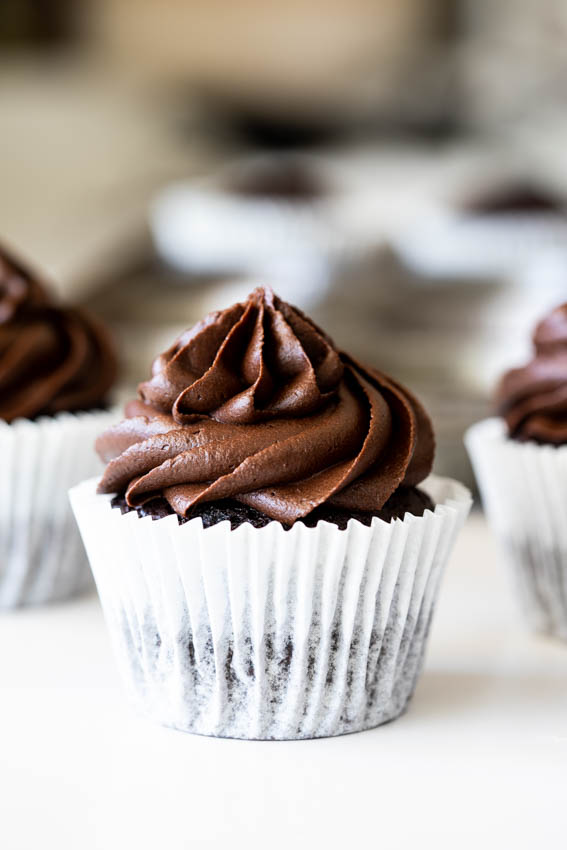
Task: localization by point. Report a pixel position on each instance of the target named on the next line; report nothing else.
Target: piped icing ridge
(255, 403)
(52, 358)
(533, 398)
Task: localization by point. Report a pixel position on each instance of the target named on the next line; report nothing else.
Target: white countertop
(479, 759)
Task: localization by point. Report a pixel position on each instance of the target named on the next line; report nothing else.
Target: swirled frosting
(256, 404)
(533, 398)
(52, 358)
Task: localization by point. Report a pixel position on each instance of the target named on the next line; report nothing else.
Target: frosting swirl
(533, 398)
(256, 404)
(51, 358)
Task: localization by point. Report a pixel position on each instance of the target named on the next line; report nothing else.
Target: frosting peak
(256, 404)
(533, 398)
(17, 290)
(252, 362)
(550, 335)
(51, 358)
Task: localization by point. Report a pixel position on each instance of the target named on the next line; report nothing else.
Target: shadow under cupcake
(520, 461)
(267, 563)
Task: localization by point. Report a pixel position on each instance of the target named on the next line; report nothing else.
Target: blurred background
(398, 168)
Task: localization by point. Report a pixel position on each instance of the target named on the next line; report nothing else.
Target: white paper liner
(480, 245)
(524, 491)
(202, 229)
(266, 633)
(42, 557)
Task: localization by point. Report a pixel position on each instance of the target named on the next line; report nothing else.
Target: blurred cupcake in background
(267, 539)
(265, 217)
(520, 460)
(497, 228)
(57, 365)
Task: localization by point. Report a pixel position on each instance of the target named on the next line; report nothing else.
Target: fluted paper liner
(524, 491)
(266, 633)
(481, 244)
(205, 229)
(42, 557)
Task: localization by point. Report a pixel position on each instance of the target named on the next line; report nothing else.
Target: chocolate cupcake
(520, 460)
(271, 216)
(57, 365)
(499, 228)
(265, 542)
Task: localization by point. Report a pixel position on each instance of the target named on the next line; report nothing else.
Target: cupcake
(270, 215)
(497, 230)
(521, 198)
(520, 460)
(56, 368)
(267, 539)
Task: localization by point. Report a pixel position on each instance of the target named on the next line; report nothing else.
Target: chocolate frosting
(51, 358)
(256, 404)
(533, 399)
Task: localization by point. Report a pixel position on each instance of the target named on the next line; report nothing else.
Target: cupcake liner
(480, 245)
(203, 231)
(201, 227)
(41, 554)
(524, 491)
(266, 633)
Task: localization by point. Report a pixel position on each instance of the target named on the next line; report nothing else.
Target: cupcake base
(45, 563)
(403, 500)
(524, 491)
(540, 575)
(267, 633)
(42, 557)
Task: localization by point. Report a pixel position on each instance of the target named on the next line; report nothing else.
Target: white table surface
(479, 760)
